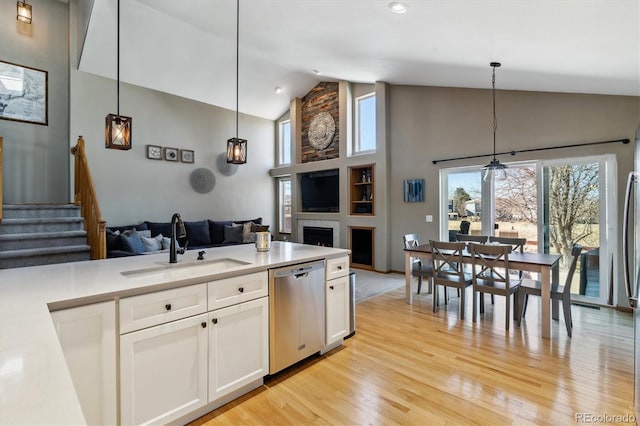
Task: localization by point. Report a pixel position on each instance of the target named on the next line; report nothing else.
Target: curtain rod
(624, 141)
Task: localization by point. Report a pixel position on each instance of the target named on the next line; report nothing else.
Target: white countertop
(35, 385)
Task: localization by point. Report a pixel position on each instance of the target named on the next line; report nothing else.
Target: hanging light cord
(495, 117)
(118, 63)
(237, 60)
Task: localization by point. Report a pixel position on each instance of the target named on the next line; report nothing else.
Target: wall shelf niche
(361, 189)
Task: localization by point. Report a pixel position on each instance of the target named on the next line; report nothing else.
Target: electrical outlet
(429, 218)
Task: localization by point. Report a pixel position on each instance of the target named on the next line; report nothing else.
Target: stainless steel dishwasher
(296, 311)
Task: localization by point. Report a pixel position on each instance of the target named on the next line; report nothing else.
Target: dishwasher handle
(299, 272)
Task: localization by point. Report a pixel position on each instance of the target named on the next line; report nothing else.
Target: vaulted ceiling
(188, 47)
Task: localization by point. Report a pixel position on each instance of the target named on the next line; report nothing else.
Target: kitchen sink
(166, 270)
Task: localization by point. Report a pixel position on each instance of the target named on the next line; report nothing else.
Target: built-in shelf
(361, 189)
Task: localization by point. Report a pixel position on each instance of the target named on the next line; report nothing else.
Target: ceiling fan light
(398, 7)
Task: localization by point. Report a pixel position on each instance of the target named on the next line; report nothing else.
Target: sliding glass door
(553, 204)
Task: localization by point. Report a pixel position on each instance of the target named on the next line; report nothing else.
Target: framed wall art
(154, 152)
(171, 154)
(186, 156)
(413, 190)
(24, 94)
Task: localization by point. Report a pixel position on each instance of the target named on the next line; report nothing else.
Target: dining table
(547, 265)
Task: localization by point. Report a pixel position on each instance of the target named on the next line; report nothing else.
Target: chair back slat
(481, 239)
(573, 261)
(411, 240)
(517, 244)
(491, 263)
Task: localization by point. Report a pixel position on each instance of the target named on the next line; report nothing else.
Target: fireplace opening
(317, 236)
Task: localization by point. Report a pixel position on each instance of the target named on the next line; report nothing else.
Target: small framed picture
(171, 154)
(186, 155)
(154, 152)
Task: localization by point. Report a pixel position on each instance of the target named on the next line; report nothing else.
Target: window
(284, 205)
(365, 126)
(551, 203)
(284, 142)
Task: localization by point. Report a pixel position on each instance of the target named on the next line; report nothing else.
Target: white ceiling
(187, 47)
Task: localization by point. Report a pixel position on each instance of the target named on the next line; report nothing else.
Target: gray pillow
(131, 242)
(233, 234)
(152, 244)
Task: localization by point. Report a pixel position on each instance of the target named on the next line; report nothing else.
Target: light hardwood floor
(407, 365)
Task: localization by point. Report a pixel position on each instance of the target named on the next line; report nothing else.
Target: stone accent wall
(322, 98)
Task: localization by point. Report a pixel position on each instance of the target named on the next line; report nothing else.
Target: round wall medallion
(321, 130)
(202, 180)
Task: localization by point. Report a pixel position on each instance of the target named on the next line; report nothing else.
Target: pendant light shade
(236, 151)
(117, 131)
(236, 147)
(24, 12)
(495, 169)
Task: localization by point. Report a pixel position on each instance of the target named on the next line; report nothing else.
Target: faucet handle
(201, 255)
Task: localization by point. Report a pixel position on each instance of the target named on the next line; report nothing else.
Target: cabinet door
(88, 339)
(163, 371)
(238, 346)
(337, 297)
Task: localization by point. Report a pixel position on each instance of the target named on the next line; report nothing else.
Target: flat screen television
(320, 191)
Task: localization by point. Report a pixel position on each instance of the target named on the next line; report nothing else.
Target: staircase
(41, 234)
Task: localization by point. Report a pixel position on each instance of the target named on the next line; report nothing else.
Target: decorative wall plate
(321, 130)
(202, 180)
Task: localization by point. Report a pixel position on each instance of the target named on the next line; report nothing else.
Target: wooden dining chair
(517, 245)
(480, 239)
(419, 268)
(490, 263)
(558, 292)
(448, 270)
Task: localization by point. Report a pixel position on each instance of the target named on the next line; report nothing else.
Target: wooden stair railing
(85, 197)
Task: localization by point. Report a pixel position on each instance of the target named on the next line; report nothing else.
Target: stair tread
(38, 206)
(43, 235)
(43, 251)
(27, 220)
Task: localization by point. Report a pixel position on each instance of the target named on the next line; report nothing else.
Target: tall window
(284, 142)
(284, 205)
(365, 137)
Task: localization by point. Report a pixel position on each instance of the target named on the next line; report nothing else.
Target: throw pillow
(246, 230)
(156, 228)
(233, 234)
(131, 242)
(113, 240)
(259, 228)
(257, 221)
(216, 230)
(144, 233)
(152, 244)
(198, 233)
(166, 243)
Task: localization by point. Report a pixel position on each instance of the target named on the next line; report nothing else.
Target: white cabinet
(87, 336)
(337, 300)
(238, 346)
(230, 291)
(151, 309)
(163, 371)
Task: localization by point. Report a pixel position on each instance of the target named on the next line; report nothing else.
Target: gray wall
(36, 157)
(132, 188)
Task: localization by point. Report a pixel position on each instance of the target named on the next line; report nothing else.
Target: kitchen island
(35, 382)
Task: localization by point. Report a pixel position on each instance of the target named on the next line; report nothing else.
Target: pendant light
(236, 147)
(117, 130)
(495, 169)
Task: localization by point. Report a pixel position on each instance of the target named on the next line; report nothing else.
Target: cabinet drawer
(338, 267)
(229, 291)
(156, 308)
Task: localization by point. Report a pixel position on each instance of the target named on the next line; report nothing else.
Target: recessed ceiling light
(398, 7)
(278, 89)
(316, 72)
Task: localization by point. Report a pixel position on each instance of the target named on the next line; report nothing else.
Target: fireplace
(317, 236)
